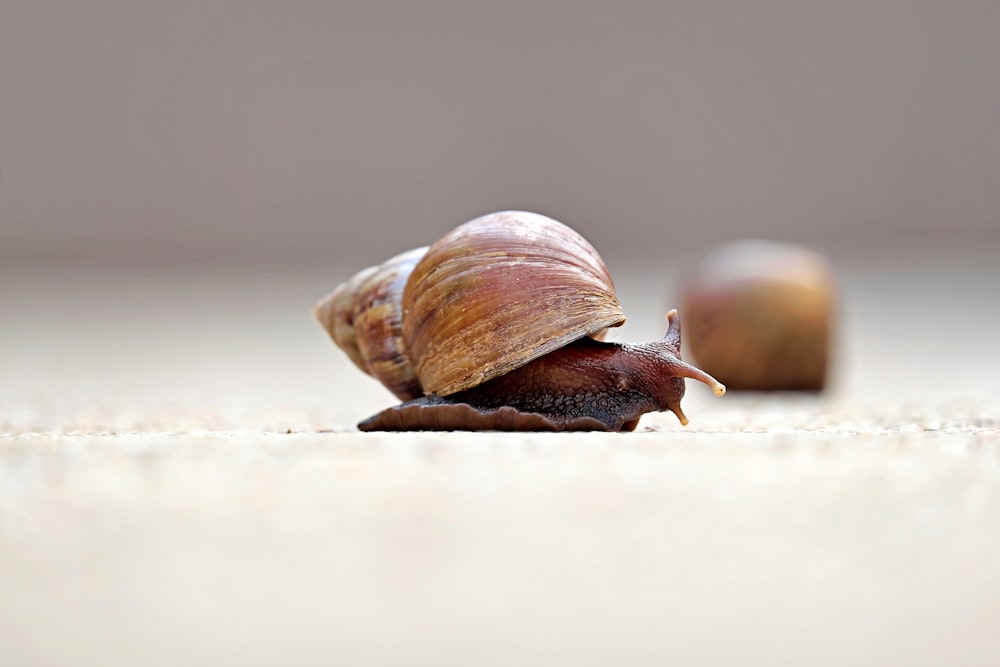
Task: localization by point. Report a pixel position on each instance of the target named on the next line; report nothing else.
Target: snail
(761, 314)
(498, 326)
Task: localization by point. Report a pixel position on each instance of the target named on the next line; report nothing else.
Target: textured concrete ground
(180, 483)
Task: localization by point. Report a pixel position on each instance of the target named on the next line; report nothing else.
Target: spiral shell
(364, 316)
(488, 297)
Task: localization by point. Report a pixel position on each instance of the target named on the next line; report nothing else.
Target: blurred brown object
(758, 315)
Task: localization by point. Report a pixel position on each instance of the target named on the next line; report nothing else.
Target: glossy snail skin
(497, 326)
(587, 385)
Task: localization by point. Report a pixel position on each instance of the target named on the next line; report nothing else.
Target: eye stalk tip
(718, 389)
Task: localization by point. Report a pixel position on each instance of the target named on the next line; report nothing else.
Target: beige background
(181, 482)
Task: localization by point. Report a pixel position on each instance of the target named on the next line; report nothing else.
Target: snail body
(587, 385)
(497, 327)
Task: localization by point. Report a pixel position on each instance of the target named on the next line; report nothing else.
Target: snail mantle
(498, 326)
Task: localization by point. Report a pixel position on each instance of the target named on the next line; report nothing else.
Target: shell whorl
(364, 316)
(498, 292)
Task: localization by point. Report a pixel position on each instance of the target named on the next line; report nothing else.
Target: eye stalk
(681, 369)
(673, 335)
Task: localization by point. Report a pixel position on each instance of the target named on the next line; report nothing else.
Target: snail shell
(490, 296)
(762, 315)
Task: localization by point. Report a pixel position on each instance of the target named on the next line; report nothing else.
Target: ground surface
(180, 483)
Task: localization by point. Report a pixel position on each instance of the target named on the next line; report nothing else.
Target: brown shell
(499, 292)
(366, 320)
(761, 315)
(335, 313)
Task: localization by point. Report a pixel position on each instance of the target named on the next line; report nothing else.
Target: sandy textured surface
(180, 483)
